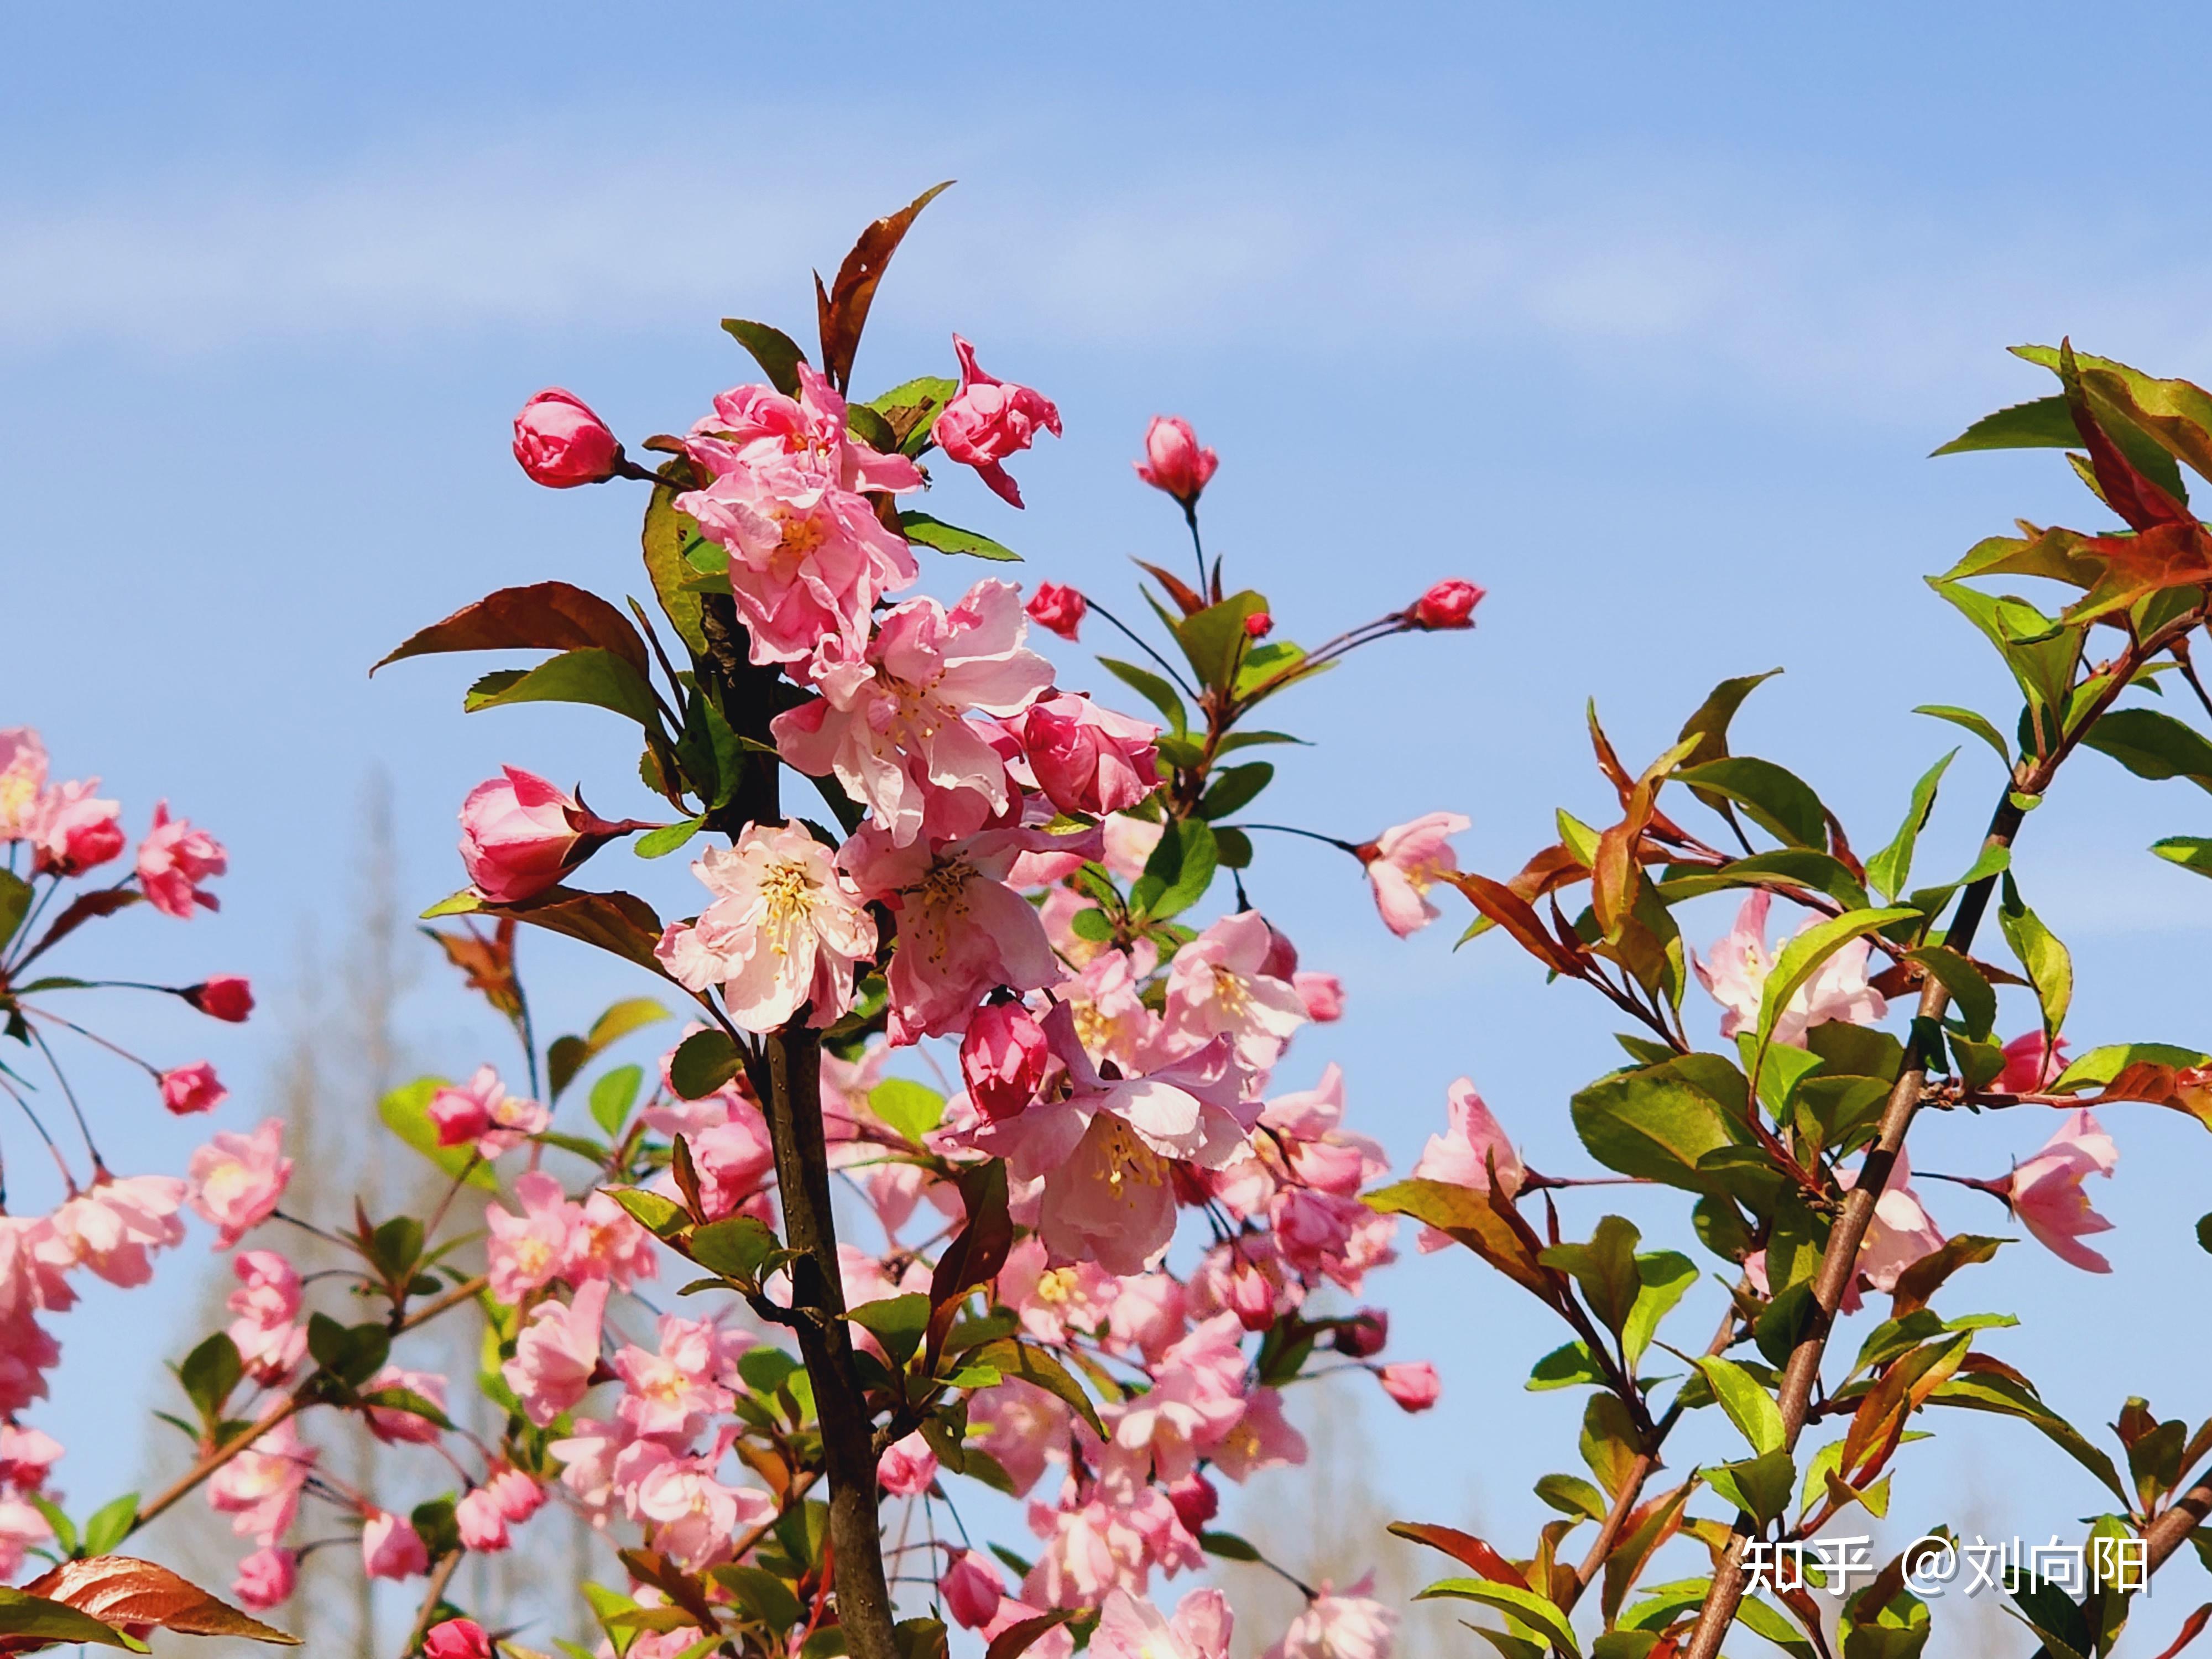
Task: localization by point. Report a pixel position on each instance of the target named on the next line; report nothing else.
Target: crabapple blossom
(260, 1489)
(519, 835)
(457, 1639)
(22, 1528)
(482, 1523)
(529, 1251)
(1088, 759)
(1466, 1152)
(391, 1548)
(1058, 609)
(972, 1588)
(1736, 977)
(482, 1112)
(397, 1425)
(1404, 862)
(174, 860)
(186, 1089)
(518, 1496)
(2047, 1193)
(1412, 1384)
(891, 724)
(908, 1467)
(561, 443)
(2032, 1063)
(114, 1225)
(26, 1455)
(1004, 1059)
(238, 1180)
(1449, 603)
(783, 932)
(1340, 1625)
(1218, 987)
(23, 776)
(987, 419)
(226, 997)
(557, 1353)
(1322, 994)
(266, 1333)
(72, 831)
(1196, 1501)
(1174, 462)
(265, 1578)
(696, 1516)
(1132, 1629)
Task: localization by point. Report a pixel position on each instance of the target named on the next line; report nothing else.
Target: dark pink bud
(561, 443)
(1363, 1336)
(221, 996)
(1196, 1501)
(1088, 759)
(1449, 603)
(1413, 1384)
(1259, 625)
(972, 1588)
(1059, 608)
(1173, 461)
(1004, 1059)
(457, 1639)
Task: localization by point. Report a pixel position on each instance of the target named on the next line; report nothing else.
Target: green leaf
(2044, 423)
(1802, 958)
(911, 408)
(1214, 639)
(1152, 689)
(1975, 997)
(737, 1247)
(1759, 1487)
(1818, 872)
(1890, 868)
(1710, 724)
(1035, 1366)
(109, 1524)
(910, 1108)
(1604, 1270)
(1565, 1367)
(1977, 724)
(1571, 1494)
(211, 1373)
(612, 1097)
(925, 531)
(1778, 800)
(776, 352)
(1990, 1392)
(1178, 873)
(765, 1370)
(658, 843)
(1228, 1545)
(1749, 1406)
(591, 675)
(711, 754)
(14, 903)
(1234, 788)
(663, 1217)
(662, 540)
(406, 1112)
(1525, 1605)
(1658, 1121)
(2190, 851)
(1262, 663)
(570, 1054)
(703, 1063)
(352, 1353)
(897, 1321)
(2049, 965)
(39, 1621)
(1666, 1276)
(2153, 745)
(762, 1595)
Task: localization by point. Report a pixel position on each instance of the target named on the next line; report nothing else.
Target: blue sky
(1644, 318)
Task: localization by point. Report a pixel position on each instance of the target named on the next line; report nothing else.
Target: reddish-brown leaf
(842, 308)
(1517, 917)
(1189, 598)
(545, 615)
(86, 907)
(1553, 868)
(621, 923)
(2135, 498)
(1463, 1546)
(121, 1590)
(2191, 1628)
(678, 1586)
(488, 963)
(2189, 1090)
(1016, 1639)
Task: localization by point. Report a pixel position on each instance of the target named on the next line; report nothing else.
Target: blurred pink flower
(482, 1524)
(460, 1639)
(971, 1587)
(482, 1111)
(1347, 1625)
(1404, 862)
(1131, 1629)
(114, 1225)
(72, 832)
(238, 1180)
(558, 1352)
(23, 777)
(1412, 1384)
(396, 1425)
(259, 1488)
(391, 1548)
(186, 1089)
(174, 860)
(264, 1579)
(907, 1467)
(226, 997)
(1449, 603)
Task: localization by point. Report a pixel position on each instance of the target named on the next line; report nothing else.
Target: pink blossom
(1059, 608)
(1736, 977)
(237, 1180)
(270, 1342)
(1054, 1303)
(1404, 862)
(1196, 1499)
(908, 1467)
(34, 1261)
(528, 1252)
(890, 726)
(1901, 1233)
(809, 558)
(1350, 1625)
(1183, 1415)
(963, 933)
(1174, 462)
(71, 832)
(1129, 843)
(481, 1110)
(561, 443)
(1463, 1156)
(460, 1639)
(1217, 986)
(2032, 1063)
(734, 1161)
(1149, 1313)
(23, 778)
(587, 1458)
(1364, 1334)
(1310, 1136)
(1088, 1550)
(557, 1353)
(397, 1425)
(1131, 1629)
(28, 1352)
(1004, 1059)
(1106, 1002)
(1088, 759)
(264, 1579)
(1106, 1151)
(1259, 625)
(972, 1588)
(783, 932)
(21, 1526)
(259, 1488)
(517, 1495)
(1263, 1440)
(1449, 603)
(481, 1522)
(1022, 1427)
(696, 1517)
(671, 1394)
(186, 1089)
(1322, 994)
(174, 860)
(115, 1226)
(1412, 1384)
(608, 1244)
(988, 420)
(2045, 1192)
(391, 1548)
(226, 996)
(27, 1455)
(519, 835)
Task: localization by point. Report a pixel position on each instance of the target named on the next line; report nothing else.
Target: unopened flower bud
(561, 443)
(1058, 607)
(1004, 1059)
(1173, 461)
(221, 996)
(1449, 603)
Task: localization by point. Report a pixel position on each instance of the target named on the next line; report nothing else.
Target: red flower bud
(1059, 608)
(1173, 460)
(1004, 1059)
(1259, 625)
(561, 443)
(1449, 603)
(221, 996)
(457, 1639)
(1363, 1336)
